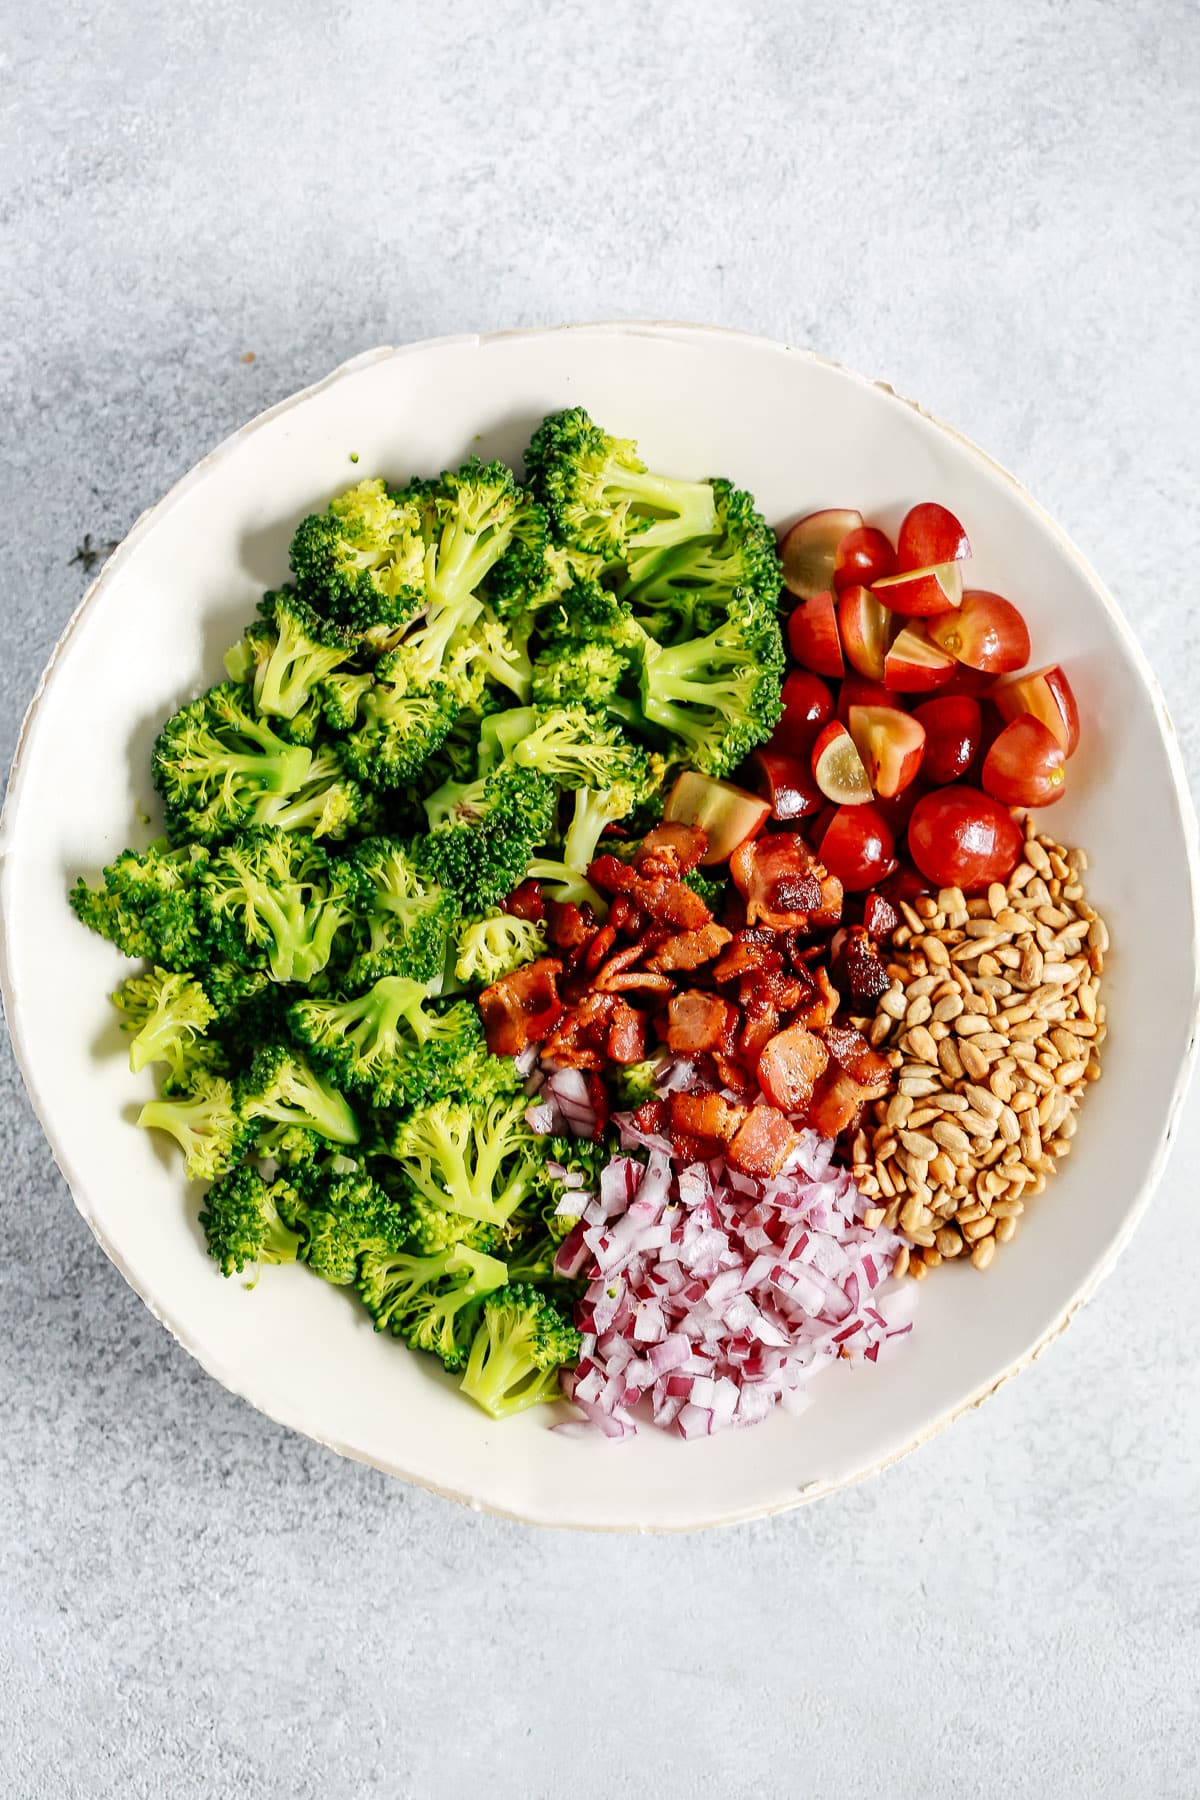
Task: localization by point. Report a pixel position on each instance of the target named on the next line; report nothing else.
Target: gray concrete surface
(996, 209)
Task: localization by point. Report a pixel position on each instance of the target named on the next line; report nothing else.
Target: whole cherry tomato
(961, 837)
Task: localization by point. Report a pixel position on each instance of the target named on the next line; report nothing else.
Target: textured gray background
(994, 208)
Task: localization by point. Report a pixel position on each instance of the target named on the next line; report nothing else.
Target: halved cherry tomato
(863, 556)
(1046, 693)
(960, 837)
(930, 534)
(728, 815)
(787, 782)
(953, 726)
(865, 628)
(858, 848)
(987, 632)
(1026, 766)
(837, 767)
(807, 705)
(891, 744)
(813, 636)
(856, 690)
(808, 551)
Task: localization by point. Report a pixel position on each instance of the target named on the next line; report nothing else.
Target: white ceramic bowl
(800, 434)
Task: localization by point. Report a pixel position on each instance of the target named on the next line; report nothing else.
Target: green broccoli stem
(682, 509)
(570, 884)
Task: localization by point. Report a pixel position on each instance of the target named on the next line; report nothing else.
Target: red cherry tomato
(960, 837)
(807, 705)
(787, 782)
(863, 556)
(987, 632)
(1026, 765)
(952, 732)
(858, 848)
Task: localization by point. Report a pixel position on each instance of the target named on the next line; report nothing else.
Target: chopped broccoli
(282, 1089)
(306, 650)
(638, 1082)
(340, 1214)
(169, 1015)
(568, 1169)
(469, 1156)
(361, 563)
(521, 1343)
(429, 1300)
(215, 758)
(385, 1044)
(717, 696)
(398, 727)
(205, 1121)
(150, 905)
(242, 1224)
(403, 917)
(273, 893)
(496, 945)
(341, 696)
(483, 838)
(329, 804)
(684, 591)
(711, 887)
(601, 499)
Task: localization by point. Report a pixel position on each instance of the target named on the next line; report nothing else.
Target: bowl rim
(664, 329)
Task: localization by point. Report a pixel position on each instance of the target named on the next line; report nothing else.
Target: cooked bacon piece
(858, 968)
(598, 1095)
(880, 916)
(599, 948)
(620, 959)
(569, 927)
(667, 901)
(851, 1051)
(522, 1008)
(640, 981)
(525, 901)
(762, 1142)
(817, 1008)
(774, 987)
(580, 1039)
(683, 845)
(626, 1034)
(837, 1104)
(625, 918)
(761, 1022)
(698, 1022)
(750, 948)
(790, 1066)
(704, 1116)
(651, 1115)
(688, 949)
(783, 884)
(737, 1079)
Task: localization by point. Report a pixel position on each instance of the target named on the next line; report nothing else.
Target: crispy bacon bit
(880, 916)
(697, 1022)
(651, 1115)
(525, 901)
(580, 1039)
(761, 1024)
(522, 1008)
(598, 1095)
(851, 1051)
(751, 948)
(817, 1009)
(734, 1077)
(790, 1066)
(599, 948)
(626, 1034)
(762, 1142)
(668, 901)
(567, 926)
(783, 884)
(858, 968)
(625, 918)
(837, 1104)
(688, 949)
(684, 845)
(704, 1116)
(640, 981)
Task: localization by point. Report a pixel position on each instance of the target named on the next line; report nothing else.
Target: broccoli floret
(483, 838)
(712, 888)
(469, 1156)
(638, 1082)
(568, 1169)
(717, 696)
(329, 804)
(496, 945)
(385, 1044)
(215, 758)
(242, 1223)
(341, 696)
(340, 1215)
(521, 1343)
(243, 659)
(282, 1089)
(589, 674)
(169, 1015)
(150, 905)
(599, 496)
(479, 516)
(404, 918)
(289, 1146)
(205, 1121)
(361, 563)
(430, 1301)
(279, 895)
(683, 592)
(306, 650)
(571, 745)
(398, 728)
